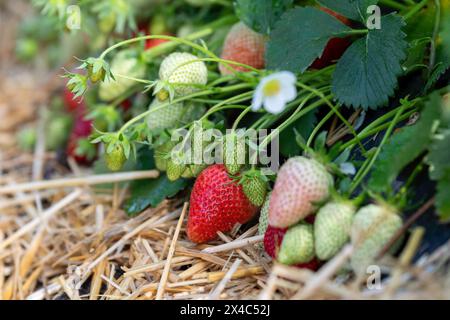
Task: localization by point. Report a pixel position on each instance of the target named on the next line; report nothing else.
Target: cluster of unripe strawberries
(302, 223)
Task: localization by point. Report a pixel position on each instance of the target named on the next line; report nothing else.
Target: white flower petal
(257, 100)
(286, 77)
(288, 92)
(274, 104)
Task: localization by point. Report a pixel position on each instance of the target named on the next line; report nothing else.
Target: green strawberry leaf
(439, 156)
(146, 193)
(404, 147)
(304, 126)
(150, 192)
(418, 36)
(443, 197)
(261, 15)
(444, 34)
(366, 75)
(352, 9)
(439, 70)
(300, 37)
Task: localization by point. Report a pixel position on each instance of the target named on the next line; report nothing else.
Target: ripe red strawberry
(156, 27)
(151, 43)
(78, 147)
(273, 239)
(126, 105)
(217, 204)
(301, 185)
(272, 243)
(335, 48)
(245, 46)
(73, 105)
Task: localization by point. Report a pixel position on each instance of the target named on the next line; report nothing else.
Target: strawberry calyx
(77, 83)
(118, 148)
(255, 186)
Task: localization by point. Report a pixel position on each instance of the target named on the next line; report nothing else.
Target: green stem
(236, 99)
(318, 127)
(437, 25)
(415, 9)
(240, 117)
(310, 75)
(340, 116)
(374, 131)
(143, 38)
(298, 113)
(362, 174)
(377, 125)
(208, 29)
(353, 32)
(393, 4)
(261, 120)
(133, 79)
(410, 180)
(218, 60)
(194, 95)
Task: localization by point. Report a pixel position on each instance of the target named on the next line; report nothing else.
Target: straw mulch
(64, 236)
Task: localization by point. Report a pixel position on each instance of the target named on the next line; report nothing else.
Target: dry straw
(63, 236)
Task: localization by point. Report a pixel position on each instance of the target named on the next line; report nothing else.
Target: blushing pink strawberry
(245, 46)
(302, 184)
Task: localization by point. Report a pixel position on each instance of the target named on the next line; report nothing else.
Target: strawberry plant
(349, 98)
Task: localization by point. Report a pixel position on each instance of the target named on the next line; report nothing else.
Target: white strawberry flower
(275, 91)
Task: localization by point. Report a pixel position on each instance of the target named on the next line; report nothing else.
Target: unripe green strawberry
(26, 138)
(161, 155)
(193, 111)
(332, 228)
(168, 117)
(193, 170)
(174, 170)
(301, 186)
(255, 187)
(179, 70)
(96, 76)
(263, 223)
(234, 153)
(57, 132)
(298, 245)
(264, 216)
(124, 63)
(115, 159)
(187, 173)
(197, 169)
(106, 22)
(26, 49)
(373, 227)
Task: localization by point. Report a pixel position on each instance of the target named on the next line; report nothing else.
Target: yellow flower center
(272, 88)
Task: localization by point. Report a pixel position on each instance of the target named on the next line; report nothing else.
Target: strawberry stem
(240, 117)
(371, 161)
